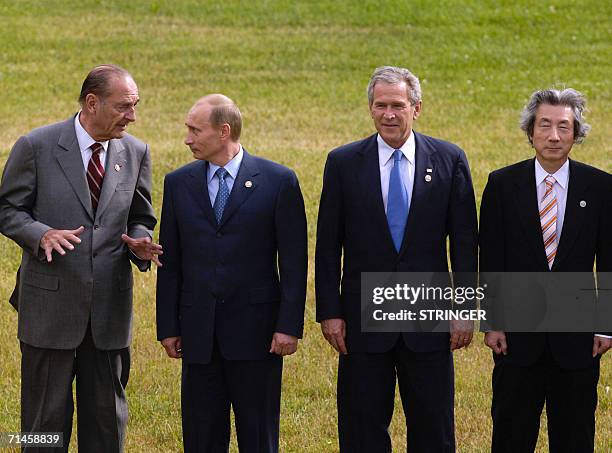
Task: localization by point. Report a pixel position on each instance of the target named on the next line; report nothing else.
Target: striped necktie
(548, 220)
(95, 175)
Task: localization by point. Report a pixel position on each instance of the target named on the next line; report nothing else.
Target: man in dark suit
(388, 204)
(231, 293)
(540, 215)
(73, 194)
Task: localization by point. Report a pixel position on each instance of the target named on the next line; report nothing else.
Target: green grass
(298, 70)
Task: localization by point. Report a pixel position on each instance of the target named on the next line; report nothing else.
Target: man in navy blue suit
(389, 202)
(231, 292)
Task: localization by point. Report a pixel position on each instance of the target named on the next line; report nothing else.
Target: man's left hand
(601, 345)
(461, 333)
(283, 344)
(144, 248)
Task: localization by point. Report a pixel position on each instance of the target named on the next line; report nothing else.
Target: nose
(130, 115)
(188, 141)
(389, 113)
(554, 135)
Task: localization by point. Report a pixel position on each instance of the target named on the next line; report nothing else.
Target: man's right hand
(496, 340)
(173, 347)
(334, 331)
(58, 240)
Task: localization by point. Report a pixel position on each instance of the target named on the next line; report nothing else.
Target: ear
(91, 103)
(417, 110)
(225, 131)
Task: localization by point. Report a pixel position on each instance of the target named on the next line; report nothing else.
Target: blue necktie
(397, 202)
(222, 193)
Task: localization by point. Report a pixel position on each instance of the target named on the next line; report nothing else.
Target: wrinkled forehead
(555, 113)
(123, 87)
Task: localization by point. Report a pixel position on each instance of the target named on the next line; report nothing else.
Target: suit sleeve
(169, 276)
(18, 198)
(141, 219)
(491, 247)
(330, 235)
(604, 262)
(292, 244)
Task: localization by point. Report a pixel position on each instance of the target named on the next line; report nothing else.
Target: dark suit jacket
(44, 187)
(511, 241)
(224, 279)
(353, 230)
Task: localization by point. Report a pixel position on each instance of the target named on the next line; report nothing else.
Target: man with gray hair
(548, 213)
(388, 204)
(76, 197)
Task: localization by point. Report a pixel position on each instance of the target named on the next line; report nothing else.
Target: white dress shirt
(232, 168)
(85, 141)
(385, 162)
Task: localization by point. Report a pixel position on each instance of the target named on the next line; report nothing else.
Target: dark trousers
(519, 394)
(46, 395)
(366, 392)
(251, 387)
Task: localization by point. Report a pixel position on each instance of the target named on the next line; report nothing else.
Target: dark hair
(98, 81)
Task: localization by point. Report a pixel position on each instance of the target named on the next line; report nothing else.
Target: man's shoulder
(187, 169)
(348, 150)
(596, 174)
(133, 143)
(49, 131)
(437, 145)
(270, 167)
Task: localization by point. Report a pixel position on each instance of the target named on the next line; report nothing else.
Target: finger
(78, 231)
(156, 261)
(595, 347)
(341, 345)
(272, 346)
(58, 248)
(504, 346)
(66, 244)
(128, 240)
(454, 340)
(48, 252)
(72, 238)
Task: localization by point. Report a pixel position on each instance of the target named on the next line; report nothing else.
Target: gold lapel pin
(248, 184)
(427, 178)
(582, 204)
(117, 167)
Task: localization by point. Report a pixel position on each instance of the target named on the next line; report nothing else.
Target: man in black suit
(231, 292)
(547, 214)
(388, 204)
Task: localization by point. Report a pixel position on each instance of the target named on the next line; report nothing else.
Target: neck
(86, 122)
(227, 154)
(551, 167)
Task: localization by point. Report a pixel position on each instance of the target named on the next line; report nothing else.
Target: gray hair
(392, 75)
(567, 97)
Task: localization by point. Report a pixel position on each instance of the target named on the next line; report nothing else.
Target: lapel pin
(248, 184)
(427, 178)
(429, 170)
(117, 167)
(582, 204)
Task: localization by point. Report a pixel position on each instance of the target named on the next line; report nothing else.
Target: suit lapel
(528, 209)
(245, 184)
(69, 157)
(369, 181)
(198, 185)
(574, 215)
(114, 161)
(420, 190)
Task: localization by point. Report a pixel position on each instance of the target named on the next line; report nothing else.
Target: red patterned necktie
(95, 175)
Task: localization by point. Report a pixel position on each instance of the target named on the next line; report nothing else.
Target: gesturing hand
(58, 240)
(144, 248)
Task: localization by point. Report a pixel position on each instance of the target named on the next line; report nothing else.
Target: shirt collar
(232, 166)
(561, 175)
(385, 152)
(83, 137)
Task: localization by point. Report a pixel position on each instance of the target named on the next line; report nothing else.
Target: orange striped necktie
(95, 175)
(548, 220)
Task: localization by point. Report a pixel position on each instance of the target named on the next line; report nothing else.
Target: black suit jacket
(353, 230)
(511, 241)
(224, 279)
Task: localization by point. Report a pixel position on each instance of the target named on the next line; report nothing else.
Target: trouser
(46, 395)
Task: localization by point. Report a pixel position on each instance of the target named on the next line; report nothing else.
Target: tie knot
(397, 155)
(96, 148)
(221, 173)
(550, 180)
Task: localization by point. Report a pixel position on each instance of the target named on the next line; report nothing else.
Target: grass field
(298, 70)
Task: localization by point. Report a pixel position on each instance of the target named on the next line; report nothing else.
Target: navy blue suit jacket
(223, 280)
(353, 230)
